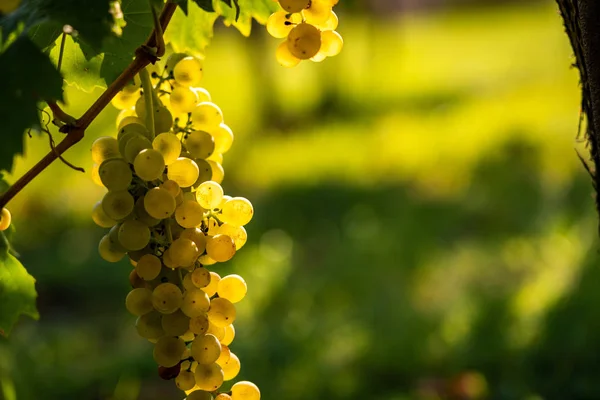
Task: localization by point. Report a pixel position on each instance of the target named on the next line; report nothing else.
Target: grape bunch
(309, 28)
(167, 212)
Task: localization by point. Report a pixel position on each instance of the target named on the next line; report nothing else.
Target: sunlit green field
(423, 226)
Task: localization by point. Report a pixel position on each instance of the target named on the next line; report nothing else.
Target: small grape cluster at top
(167, 212)
(309, 27)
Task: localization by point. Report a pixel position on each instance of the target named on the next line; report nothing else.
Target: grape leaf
(17, 289)
(248, 9)
(78, 71)
(183, 4)
(191, 34)
(206, 5)
(30, 78)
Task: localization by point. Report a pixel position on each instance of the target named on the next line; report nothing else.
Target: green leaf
(183, 4)
(248, 9)
(78, 71)
(30, 77)
(191, 34)
(17, 289)
(206, 5)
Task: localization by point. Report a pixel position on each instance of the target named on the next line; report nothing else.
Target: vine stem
(76, 131)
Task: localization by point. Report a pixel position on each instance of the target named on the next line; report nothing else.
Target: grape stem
(148, 100)
(75, 130)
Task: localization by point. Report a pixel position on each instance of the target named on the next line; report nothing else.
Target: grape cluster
(167, 212)
(309, 28)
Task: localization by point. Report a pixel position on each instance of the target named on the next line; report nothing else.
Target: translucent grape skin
(117, 204)
(206, 349)
(221, 312)
(104, 148)
(245, 390)
(285, 57)
(167, 298)
(115, 174)
(294, 6)
(188, 71)
(149, 164)
(220, 248)
(159, 203)
(139, 301)
(168, 145)
(232, 288)
(168, 351)
(304, 41)
(209, 377)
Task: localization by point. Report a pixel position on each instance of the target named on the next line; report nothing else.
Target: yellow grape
(232, 288)
(223, 137)
(231, 368)
(183, 252)
(188, 71)
(134, 146)
(98, 215)
(96, 175)
(188, 336)
(202, 94)
(183, 100)
(226, 198)
(130, 118)
(167, 298)
(159, 203)
(223, 396)
(285, 57)
(221, 312)
(139, 301)
(117, 204)
(167, 351)
(332, 43)
(200, 277)
(204, 172)
(172, 187)
(209, 195)
(142, 215)
(217, 331)
(172, 61)
(163, 120)
(110, 250)
(133, 86)
(220, 248)
(200, 144)
(104, 148)
(189, 214)
(187, 282)
(134, 127)
(206, 260)
(224, 356)
(115, 174)
(185, 380)
(227, 339)
(149, 325)
(195, 303)
(280, 23)
(209, 377)
(218, 173)
(124, 100)
(304, 41)
(216, 157)
(212, 227)
(195, 235)
(207, 116)
(238, 211)
(148, 267)
(330, 24)
(211, 288)
(245, 390)
(317, 13)
(168, 145)
(199, 395)
(199, 325)
(183, 171)
(168, 261)
(134, 235)
(237, 233)
(149, 165)
(175, 324)
(294, 6)
(206, 349)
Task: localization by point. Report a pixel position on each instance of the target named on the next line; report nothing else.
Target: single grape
(140, 108)
(232, 288)
(172, 187)
(217, 331)
(304, 41)
(204, 172)
(168, 260)
(139, 301)
(332, 43)
(172, 61)
(188, 71)
(200, 144)
(183, 100)
(134, 235)
(200, 277)
(168, 145)
(202, 94)
(134, 146)
(149, 164)
(216, 157)
(209, 377)
(135, 127)
(211, 288)
(98, 215)
(127, 119)
(245, 390)
(185, 380)
(206, 349)
(149, 325)
(199, 325)
(317, 13)
(109, 250)
(237, 233)
(195, 303)
(231, 368)
(280, 23)
(183, 171)
(96, 175)
(197, 236)
(135, 281)
(167, 298)
(175, 324)
(163, 120)
(123, 100)
(167, 351)
(238, 211)
(229, 335)
(284, 56)
(294, 6)
(224, 356)
(159, 203)
(217, 171)
(330, 24)
(207, 116)
(142, 215)
(104, 148)
(209, 195)
(223, 137)
(117, 204)
(189, 214)
(220, 247)
(115, 174)
(148, 267)
(223, 396)
(221, 312)
(184, 252)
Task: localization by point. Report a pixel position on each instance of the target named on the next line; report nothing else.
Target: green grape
(284, 56)
(211, 288)
(229, 335)
(238, 211)
(208, 377)
(96, 175)
(195, 303)
(135, 127)
(231, 368)
(200, 144)
(126, 120)
(188, 71)
(139, 301)
(206, 116)
(134, 146)
(117, 204)
(159, 203)
(199, 395)
(148, 267)
(140, 108)
(168, 350)
(183, 100)
(221, 312)
(199, 325)
(134, 235)
(108, 249)
(183, 171)
(100, 217)
(124, 139)
(163, 120)
(149, 164)
(167, 298)
(168, 145)
(204, 172)
(195, 235)
(294, 6)
(223, 137)
(104, 148)
(115, 174)
(202, 94)
(237, 233)
(189, 214)
(209, 195)
(184, 252)
(123, 100)
(245, 390)
(168, 260)
(185, 380)
(304, 41)
(332, 43)
(224, 356)
(232, 288)
(142, 215)
(200, 277)
(149, 325)
(206, 349)
(135, 255)
(175, 324)
(280, 23)
(330, 24)
(318, 12)
(220, 247)
(217, 171)
(173, 60)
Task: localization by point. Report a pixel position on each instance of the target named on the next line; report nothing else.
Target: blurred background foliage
(423, 227)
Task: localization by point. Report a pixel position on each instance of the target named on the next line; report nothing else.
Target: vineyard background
(423, 227)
